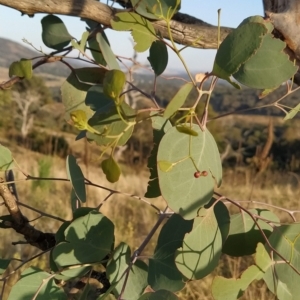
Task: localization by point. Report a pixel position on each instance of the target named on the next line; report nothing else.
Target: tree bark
(186, 30)
(285, 16)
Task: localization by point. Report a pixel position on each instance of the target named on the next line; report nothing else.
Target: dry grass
(133, 218)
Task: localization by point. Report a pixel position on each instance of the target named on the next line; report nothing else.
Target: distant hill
(11, 51)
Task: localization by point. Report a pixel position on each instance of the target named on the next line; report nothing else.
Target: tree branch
(20, 224)
(186, 30)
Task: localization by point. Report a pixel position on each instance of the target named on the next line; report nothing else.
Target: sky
(15, 27)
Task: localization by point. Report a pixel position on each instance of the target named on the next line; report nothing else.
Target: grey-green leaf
(6, 159)
(88, 239)
(292, 113)
(154, 9)
(76, 177)
(268, 67)
(281, 279)
(137, 279)
(74, 89)
(30, 282)
(160, 126)
(201, 249)
(178, 100)
(185, 152)
(163, 273)
(106, 51)
(244, 234)
(111, 169)
(22, 68)
(55, 34)
(81, 46)
(158, 57)
(237, 48)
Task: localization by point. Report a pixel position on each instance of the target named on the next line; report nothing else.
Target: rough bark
(285, 16)
(185, 29)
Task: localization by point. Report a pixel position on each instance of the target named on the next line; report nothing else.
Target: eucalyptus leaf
(154, 9)
(244, 234)
(158, 57)
(111, 127)
(281, 279)
(201, 249)
(268, 68)
(106, 51)
(76, 177)
(292, 113)
(178, 100)
(241, 44)
(30, 282)
(141, 29)
(55, 34)
(186, 129)
(163, 273)
(96, 51)
(81, 46)
(186, 153)
(6, 159)
(88, 239)
(111, 169)
(113, 84)
(74, 89)
(137, 278)
(160, 125)
(22, 68)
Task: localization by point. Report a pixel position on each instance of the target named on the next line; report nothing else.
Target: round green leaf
(184, 193)
(158, 57)
(111, 169)
(88, 239)
(163, 273)
(55, 34)
(137, 279)
(30, 282)
(244, 235)
(268, 68)
(281, 279)
(237, 48)
(201, 249)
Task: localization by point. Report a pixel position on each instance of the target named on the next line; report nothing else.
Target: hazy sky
(15, 27)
